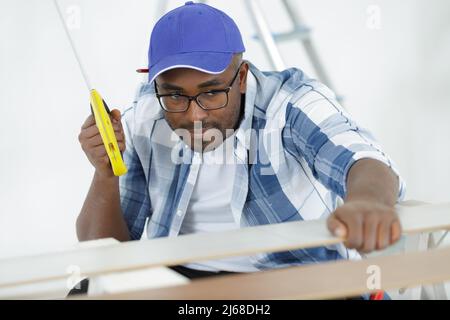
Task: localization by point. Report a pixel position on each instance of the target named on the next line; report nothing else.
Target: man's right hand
(92, 143)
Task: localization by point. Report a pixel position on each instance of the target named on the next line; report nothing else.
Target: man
(212, 143)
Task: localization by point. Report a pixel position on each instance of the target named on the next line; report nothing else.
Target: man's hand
(366, 225)
(92, 143)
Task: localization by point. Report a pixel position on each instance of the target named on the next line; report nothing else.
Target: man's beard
(205, 136)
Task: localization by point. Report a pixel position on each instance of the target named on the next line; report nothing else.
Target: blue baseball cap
(195, 36)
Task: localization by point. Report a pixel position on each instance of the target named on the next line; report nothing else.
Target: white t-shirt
(209, 208)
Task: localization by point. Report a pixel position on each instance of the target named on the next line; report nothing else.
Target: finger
(95, 141)
(370, 234)
(99, 151)
(336, 227)
(384, 233)
(355, 232)
(115, 115)
(89, 122)
(120, 136)
(90, 132)
(117, 127)
(121, 146)
(93, 131)
(396, 231)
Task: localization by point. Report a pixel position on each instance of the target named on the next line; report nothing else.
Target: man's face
(211, 126)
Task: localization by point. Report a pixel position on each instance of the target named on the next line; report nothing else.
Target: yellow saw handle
(103, 121)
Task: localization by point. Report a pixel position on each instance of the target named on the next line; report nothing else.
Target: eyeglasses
(209, 100)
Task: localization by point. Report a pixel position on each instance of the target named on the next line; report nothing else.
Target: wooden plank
(56, 289)
(197, 247)
(426, 218)
(142, 279)
(322, 281)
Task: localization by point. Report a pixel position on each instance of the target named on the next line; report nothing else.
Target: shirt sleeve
(319, 130)
(134, 196)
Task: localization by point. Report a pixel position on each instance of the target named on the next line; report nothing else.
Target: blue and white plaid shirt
(293, 149)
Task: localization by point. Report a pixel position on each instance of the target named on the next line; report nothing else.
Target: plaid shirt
(293, 150)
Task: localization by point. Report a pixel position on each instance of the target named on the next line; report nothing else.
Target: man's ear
(243, 78)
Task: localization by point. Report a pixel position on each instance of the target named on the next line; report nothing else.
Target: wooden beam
(198, 247)
(322, 281)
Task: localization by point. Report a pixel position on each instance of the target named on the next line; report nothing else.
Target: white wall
(395, 81)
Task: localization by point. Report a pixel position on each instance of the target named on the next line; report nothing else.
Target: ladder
(269, 40)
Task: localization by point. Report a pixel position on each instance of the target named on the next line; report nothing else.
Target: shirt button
(179, 213)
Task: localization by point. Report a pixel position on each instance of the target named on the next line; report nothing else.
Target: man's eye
(175, 97)
(211, 93)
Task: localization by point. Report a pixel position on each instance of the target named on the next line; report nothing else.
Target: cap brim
(208, 62)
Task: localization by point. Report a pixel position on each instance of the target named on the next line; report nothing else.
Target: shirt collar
(243, 133)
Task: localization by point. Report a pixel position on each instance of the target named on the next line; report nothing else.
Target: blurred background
(389, 60)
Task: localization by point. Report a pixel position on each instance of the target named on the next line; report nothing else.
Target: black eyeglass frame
(191, 98)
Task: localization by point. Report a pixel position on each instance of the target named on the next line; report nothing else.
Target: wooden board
(323, 281)
(197, 247)
(142, 279)
(56, 289)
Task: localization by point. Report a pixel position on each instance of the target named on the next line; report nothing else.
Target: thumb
(115, 115)
(336, 227)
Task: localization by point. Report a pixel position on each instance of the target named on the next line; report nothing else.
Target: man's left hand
(366, 225)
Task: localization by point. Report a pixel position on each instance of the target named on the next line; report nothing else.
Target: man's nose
(196, 113)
